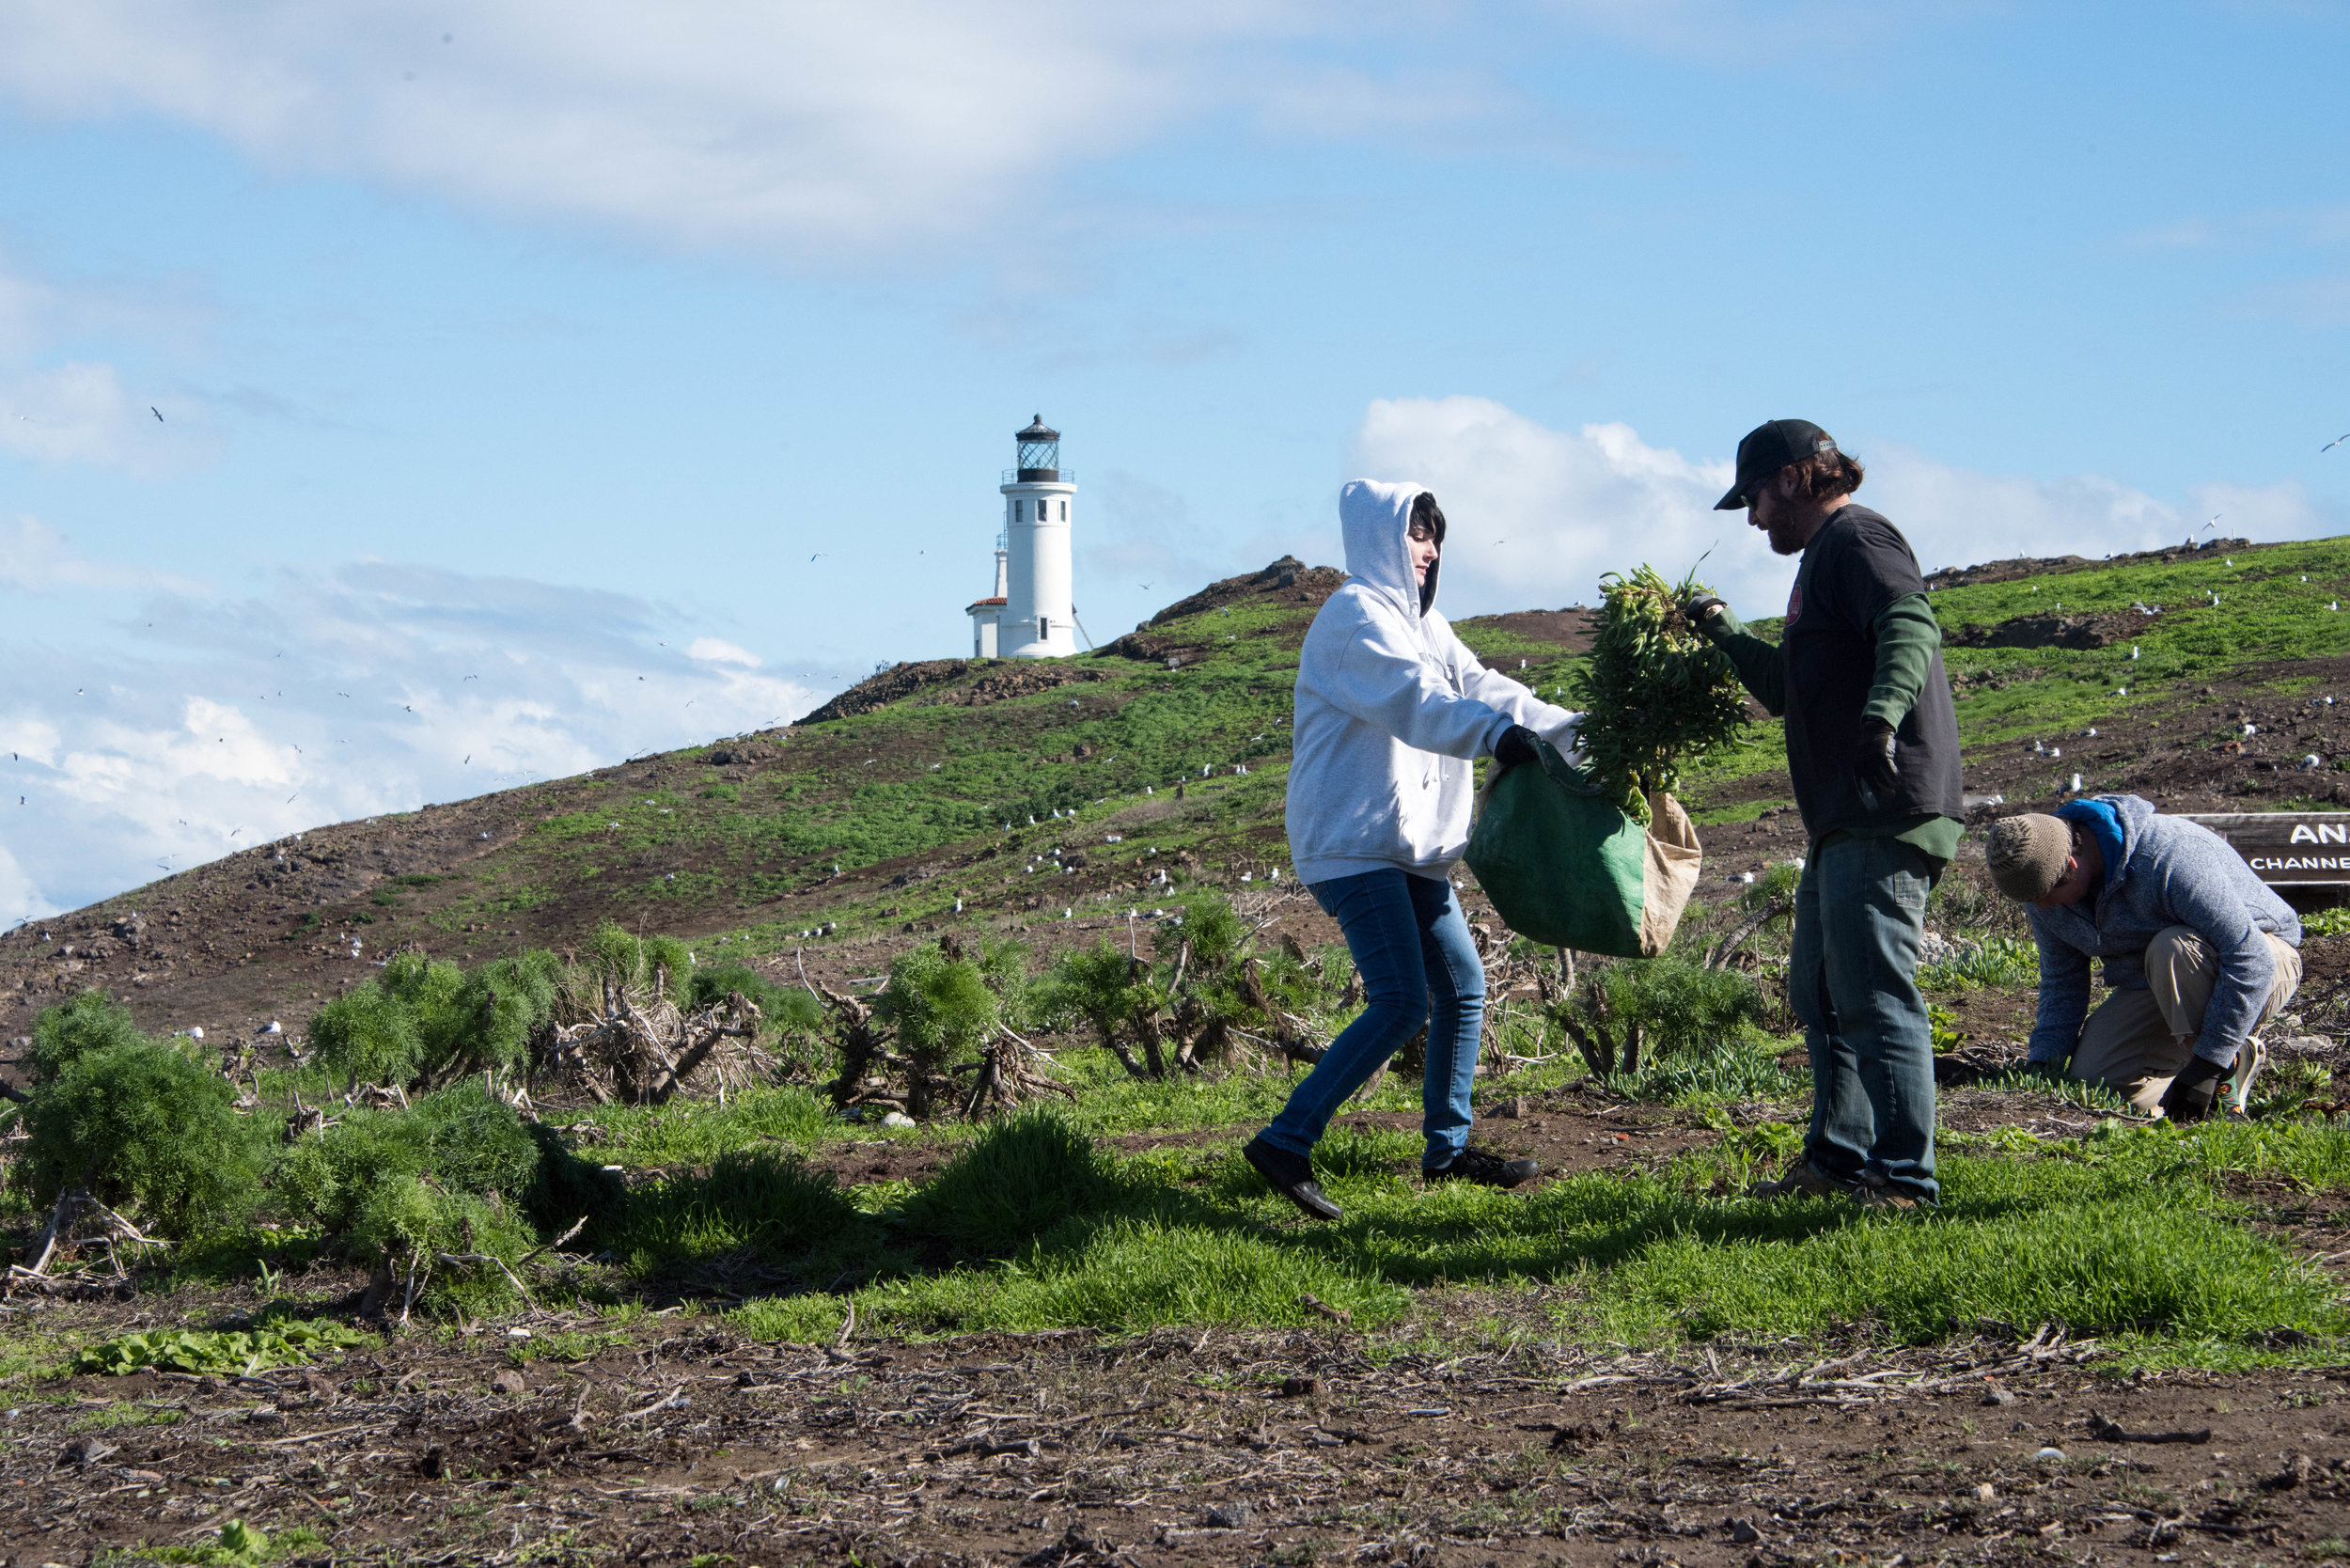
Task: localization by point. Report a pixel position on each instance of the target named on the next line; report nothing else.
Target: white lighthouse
(1039, 620)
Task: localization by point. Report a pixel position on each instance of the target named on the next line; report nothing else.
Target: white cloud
(36, 555)
(374, 688)
(82, 412)
(75, 410)
(812, 128)
(1537, 514)
(717, 651)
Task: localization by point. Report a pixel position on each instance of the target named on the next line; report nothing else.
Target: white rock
(2050, 1456)
(895, 1118)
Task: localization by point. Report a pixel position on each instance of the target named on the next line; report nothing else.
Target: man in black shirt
(1872, 745)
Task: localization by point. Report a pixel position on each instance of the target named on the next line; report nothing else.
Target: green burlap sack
(1569, 868)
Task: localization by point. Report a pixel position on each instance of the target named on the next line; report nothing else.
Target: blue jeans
(1410, 943)
(1860, 914)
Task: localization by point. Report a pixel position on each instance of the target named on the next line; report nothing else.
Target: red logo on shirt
(1795, 604)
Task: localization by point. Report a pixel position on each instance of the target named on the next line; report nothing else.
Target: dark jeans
(1860, 914)
(1410, 942)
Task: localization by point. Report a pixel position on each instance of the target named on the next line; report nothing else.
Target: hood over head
(1375, 519)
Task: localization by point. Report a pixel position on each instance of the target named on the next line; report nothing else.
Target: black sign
(2299, 848)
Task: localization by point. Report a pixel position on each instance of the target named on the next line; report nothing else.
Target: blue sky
(508, 383)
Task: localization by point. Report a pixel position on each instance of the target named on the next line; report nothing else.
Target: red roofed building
(987, 614)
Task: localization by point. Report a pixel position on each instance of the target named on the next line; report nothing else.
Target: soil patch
(2043, 566)
(2056, 631)
(1569, 631)
(689, 1443)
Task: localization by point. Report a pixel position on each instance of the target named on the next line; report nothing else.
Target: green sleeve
(1761, 668)
(1909, 637)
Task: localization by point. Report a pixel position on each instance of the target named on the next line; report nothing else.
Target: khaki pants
(2136, 1044)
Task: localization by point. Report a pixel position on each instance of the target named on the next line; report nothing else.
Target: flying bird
(818, 553)
(2331, 444)
(156, 412)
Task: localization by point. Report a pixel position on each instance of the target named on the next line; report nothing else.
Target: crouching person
(1391, 709)
(2198, 952)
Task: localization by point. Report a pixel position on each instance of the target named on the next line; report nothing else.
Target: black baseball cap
(1769, 447)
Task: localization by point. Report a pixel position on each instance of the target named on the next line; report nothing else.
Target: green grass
(2130, 1232)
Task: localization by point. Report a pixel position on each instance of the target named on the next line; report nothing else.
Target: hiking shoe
(2250, 1059)
(1890, 1199)
(1292, 1176)
(1484, 1167)
(1804, 1181)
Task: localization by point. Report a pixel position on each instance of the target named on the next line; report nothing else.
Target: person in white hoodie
(1391, 711)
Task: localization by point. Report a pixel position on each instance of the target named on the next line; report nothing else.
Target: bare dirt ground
(1477, 1437)
(690, 1444)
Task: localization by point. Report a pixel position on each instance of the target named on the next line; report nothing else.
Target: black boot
(1292, 1176)
(1484, 1167)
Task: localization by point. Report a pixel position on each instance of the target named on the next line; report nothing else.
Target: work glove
(1516, 745)
(2189, 1098)
(1706, 612)
(1876, 764)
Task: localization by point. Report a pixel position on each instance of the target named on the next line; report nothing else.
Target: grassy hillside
(1109, 1252)
(919, 793)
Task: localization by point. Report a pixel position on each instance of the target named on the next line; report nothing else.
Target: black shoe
(1485, 1168)
(1292, 1176)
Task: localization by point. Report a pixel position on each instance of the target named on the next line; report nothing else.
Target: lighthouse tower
(1039, 620)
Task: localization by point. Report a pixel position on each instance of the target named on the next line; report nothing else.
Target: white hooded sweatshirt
(1391, 709)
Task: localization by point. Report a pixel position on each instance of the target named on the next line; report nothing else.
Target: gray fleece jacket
(1391, 709)
(2174, 872)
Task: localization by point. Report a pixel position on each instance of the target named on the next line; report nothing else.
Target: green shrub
(780, 1007)
(460, 1138)
(1211, 928)
(1664, 1005)
(768, 1201)
(368, 1035)
(1655, 693)
(1028, 1171)
(423, 1022)
(1099, 984)
(143, 1126)
(628, 960)
(1205, 980)
(456, 1172)
(405, 1221)
(943, 1011)
(69, 1029)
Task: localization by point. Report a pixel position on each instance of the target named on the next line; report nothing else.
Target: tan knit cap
(2026, 855)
